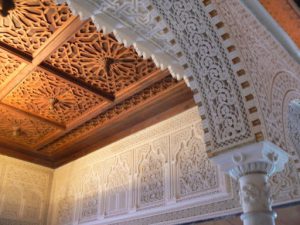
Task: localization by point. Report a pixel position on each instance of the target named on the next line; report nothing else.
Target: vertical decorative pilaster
(252, 165)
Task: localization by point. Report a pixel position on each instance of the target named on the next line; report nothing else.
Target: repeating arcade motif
(51, 97)
(140, 177)
(32, 23)
(100, 60)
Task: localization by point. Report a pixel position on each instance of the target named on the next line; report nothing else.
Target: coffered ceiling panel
(100, 61)
(66, 89)
(24, 130)
(32, 23)
(51, 97)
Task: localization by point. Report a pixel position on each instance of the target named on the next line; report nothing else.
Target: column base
(259, 218)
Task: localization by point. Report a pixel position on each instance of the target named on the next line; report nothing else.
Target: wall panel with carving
(24, 192)
(275, 78)
(160, 175)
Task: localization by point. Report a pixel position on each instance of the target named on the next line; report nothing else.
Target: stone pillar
(251, 166)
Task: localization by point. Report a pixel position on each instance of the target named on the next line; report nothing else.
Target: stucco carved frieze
(153, 173)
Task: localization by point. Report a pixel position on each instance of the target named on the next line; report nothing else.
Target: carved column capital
(252, 165)
(263, 157)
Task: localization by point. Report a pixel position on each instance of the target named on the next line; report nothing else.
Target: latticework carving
(120, 108)
(51, 97)
(100, 60)
(7, 66)
(31, 23)
(22, 129)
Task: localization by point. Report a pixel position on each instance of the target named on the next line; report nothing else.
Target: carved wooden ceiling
(67, 89)
(287, 15)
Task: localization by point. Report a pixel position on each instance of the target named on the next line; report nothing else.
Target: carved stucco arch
(202, 52)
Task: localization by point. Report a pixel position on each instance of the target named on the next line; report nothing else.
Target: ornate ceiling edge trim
(272, 26)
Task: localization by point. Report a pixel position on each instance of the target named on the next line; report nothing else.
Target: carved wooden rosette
(61, 80)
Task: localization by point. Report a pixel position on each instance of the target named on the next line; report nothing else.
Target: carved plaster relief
(24, 192)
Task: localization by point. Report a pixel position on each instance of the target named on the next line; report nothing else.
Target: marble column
(252, 165)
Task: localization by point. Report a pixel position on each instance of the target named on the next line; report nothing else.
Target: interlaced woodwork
(61, 80)
(51, 97)
(32, 23)
(100, 60)
(23, 129)
(7, 66)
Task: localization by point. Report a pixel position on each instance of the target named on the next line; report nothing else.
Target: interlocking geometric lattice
(100, 60)
(32, 23)
(51, 97)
